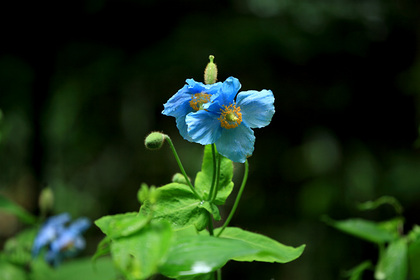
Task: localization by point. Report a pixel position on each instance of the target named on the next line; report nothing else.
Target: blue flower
(190, 98)
(62, 241)
(49, 231)
(228, 122)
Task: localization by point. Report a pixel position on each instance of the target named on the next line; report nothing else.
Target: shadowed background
(83, 82)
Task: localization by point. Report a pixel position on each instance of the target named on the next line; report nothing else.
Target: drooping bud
(154, 140)
(210, 73)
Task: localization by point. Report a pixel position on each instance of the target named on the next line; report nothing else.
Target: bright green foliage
(121, 225)
(268, 250)
(177, 205)
(202, 254)
(139, 255)
(103, 269)
(203, 179)
(167, 235)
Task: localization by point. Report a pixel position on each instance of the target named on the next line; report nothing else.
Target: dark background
(83, 82)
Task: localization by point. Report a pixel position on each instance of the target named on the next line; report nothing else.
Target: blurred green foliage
(81, 89)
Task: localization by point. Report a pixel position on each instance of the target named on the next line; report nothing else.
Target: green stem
(182, 167)
(219, 274)
(238, 197)
(216, 189)
(213, 180)
(210, 225)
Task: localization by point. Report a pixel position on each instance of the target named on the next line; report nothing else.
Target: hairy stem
(181, 167)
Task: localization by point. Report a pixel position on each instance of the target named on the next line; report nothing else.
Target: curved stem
(238, 197)
(181, 167)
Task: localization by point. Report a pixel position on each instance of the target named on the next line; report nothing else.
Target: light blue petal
(179, 104)
(257, 107)
(49, 231)
(80, 225)
(237, 144)
(183, 129)
(196, 87)
(203, 127)
(228, 91)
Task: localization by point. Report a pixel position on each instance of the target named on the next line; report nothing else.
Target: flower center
(198, 100)
(230, 117)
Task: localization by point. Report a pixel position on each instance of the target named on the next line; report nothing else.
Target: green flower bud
(179, 178)
(147, 193)
(210, 73)
(46, 200)
(143, 193)
(154, 140)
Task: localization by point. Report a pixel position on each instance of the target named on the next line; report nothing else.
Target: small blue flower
(49, 231)
(63, 242)
(190, 98)
(228, 122)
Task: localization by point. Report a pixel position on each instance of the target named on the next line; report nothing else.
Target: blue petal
(257, 107)
(178, 105)
(203, 127)
(183, 129)
(237, 143)
(49, 231)
(80, 225)
(228, 91)
(196, 87)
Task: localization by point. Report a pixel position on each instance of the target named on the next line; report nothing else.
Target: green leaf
(356, 273)
(178, 205)
(139, 255)
(204, 177)
(103, 269)
(11, 272)
(414, 253)
(202, 254)
(392, 263)
(367, 230)
(102, 249)
(268, 250)
(212, 209)
(8, 206)
(209, 276)
(17, 249)
(119, 225)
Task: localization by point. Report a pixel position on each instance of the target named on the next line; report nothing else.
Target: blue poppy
(62, 241)
(190, 98)
(49, 231)
(228, 122)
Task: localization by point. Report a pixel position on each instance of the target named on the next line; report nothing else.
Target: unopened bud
(46, 200)
(210, 73)
(179, 178)
(143, 193)
(154, 140)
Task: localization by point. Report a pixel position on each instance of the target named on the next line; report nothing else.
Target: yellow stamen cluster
(230, 117)
(198, 100)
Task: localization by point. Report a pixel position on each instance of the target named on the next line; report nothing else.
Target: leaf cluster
(168, 234)
(399, 253)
